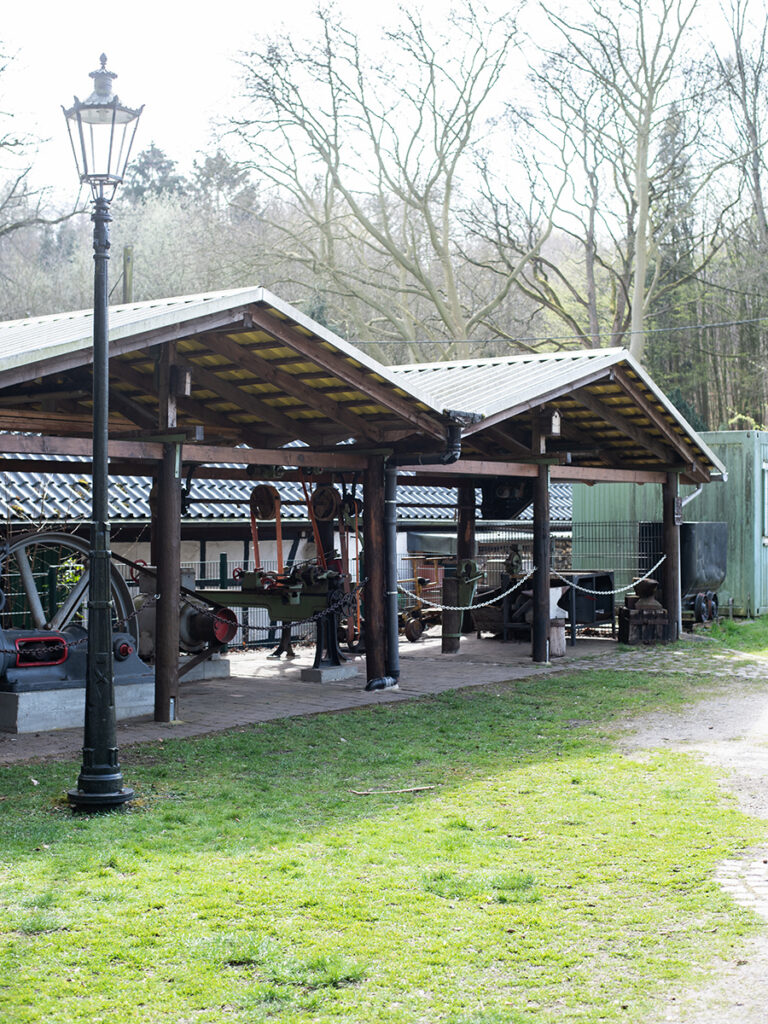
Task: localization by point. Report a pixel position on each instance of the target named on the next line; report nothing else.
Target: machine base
(329, 674)
(41, 710)
(214, 667)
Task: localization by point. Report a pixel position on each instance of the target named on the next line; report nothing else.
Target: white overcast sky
(178, 58)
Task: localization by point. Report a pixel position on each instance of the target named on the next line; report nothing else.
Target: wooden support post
(154, 522)
(168, 586)
(453, 622)
(168, 552)
(541, 562)
(670, 569)
(374, 555)
(466, 546)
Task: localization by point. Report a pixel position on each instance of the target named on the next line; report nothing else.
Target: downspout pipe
(451, 453)
(692, 495)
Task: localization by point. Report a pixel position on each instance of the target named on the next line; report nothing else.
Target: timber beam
(255, 406)
(197, 412)
(653, 414)
(450, 476)
(339, 366)
(246, 358)
(624, 426)
(342, 460)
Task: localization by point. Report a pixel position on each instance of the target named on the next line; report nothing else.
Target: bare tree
(384, 164)
(22, 205)
(614, 80)
(735, 298)
(744, 77)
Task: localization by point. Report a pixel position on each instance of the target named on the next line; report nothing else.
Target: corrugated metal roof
(30, 341)
(604, 396)
(262, 373)
(508, 383)
(47, 497)
(260, 368)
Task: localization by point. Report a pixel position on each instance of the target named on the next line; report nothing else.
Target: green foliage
(152, 173)
(683, 406)
(741, 421)
(744, 634)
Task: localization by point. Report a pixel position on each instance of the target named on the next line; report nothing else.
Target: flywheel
(45, 583)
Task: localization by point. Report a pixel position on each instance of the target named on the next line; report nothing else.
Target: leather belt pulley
(265, 504)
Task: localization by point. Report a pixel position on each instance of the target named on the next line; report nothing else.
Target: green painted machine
(305, 593)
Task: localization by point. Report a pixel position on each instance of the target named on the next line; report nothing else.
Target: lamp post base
(83, 801)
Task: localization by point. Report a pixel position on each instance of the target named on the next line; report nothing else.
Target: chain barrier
(469, 607)
(619, 590)
(342, 603)
(516, 586)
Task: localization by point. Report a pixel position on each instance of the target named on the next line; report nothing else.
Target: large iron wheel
(45, 584)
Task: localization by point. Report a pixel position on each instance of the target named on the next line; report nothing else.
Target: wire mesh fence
(626, 550)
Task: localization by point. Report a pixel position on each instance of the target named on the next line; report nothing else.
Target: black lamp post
(101, 131)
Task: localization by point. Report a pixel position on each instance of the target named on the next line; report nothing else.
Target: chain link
(469, 607)
(512, 589)
(619, 590)
(338, 602)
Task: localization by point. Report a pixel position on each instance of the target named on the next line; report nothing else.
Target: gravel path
(728, 730)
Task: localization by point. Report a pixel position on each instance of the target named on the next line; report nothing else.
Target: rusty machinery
(318, 591)
(44, 617)
(427, 593)
(305, 593)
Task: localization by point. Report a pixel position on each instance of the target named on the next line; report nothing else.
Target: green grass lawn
(542, 878)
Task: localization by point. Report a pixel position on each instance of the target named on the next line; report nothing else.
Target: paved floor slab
(260, 689)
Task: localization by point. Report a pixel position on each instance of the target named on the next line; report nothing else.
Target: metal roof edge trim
(509, 360)
(156, 313)
(589, 375)
(210, 302)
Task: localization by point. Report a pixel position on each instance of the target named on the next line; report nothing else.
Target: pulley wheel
(351, 509)
(264, 501)
(46, 579)
(326, 502)
(413, 629)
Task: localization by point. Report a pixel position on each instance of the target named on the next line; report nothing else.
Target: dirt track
(728, 730)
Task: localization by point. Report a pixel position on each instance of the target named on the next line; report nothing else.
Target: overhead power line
(565, 337)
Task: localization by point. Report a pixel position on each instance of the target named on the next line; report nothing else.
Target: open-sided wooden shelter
(226, 380)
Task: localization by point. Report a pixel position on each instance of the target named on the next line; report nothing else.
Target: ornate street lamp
(101, 131)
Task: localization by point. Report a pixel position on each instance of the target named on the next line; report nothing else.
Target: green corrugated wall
(740, 502)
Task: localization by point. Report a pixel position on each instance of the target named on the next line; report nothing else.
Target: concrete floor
(259, 690)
